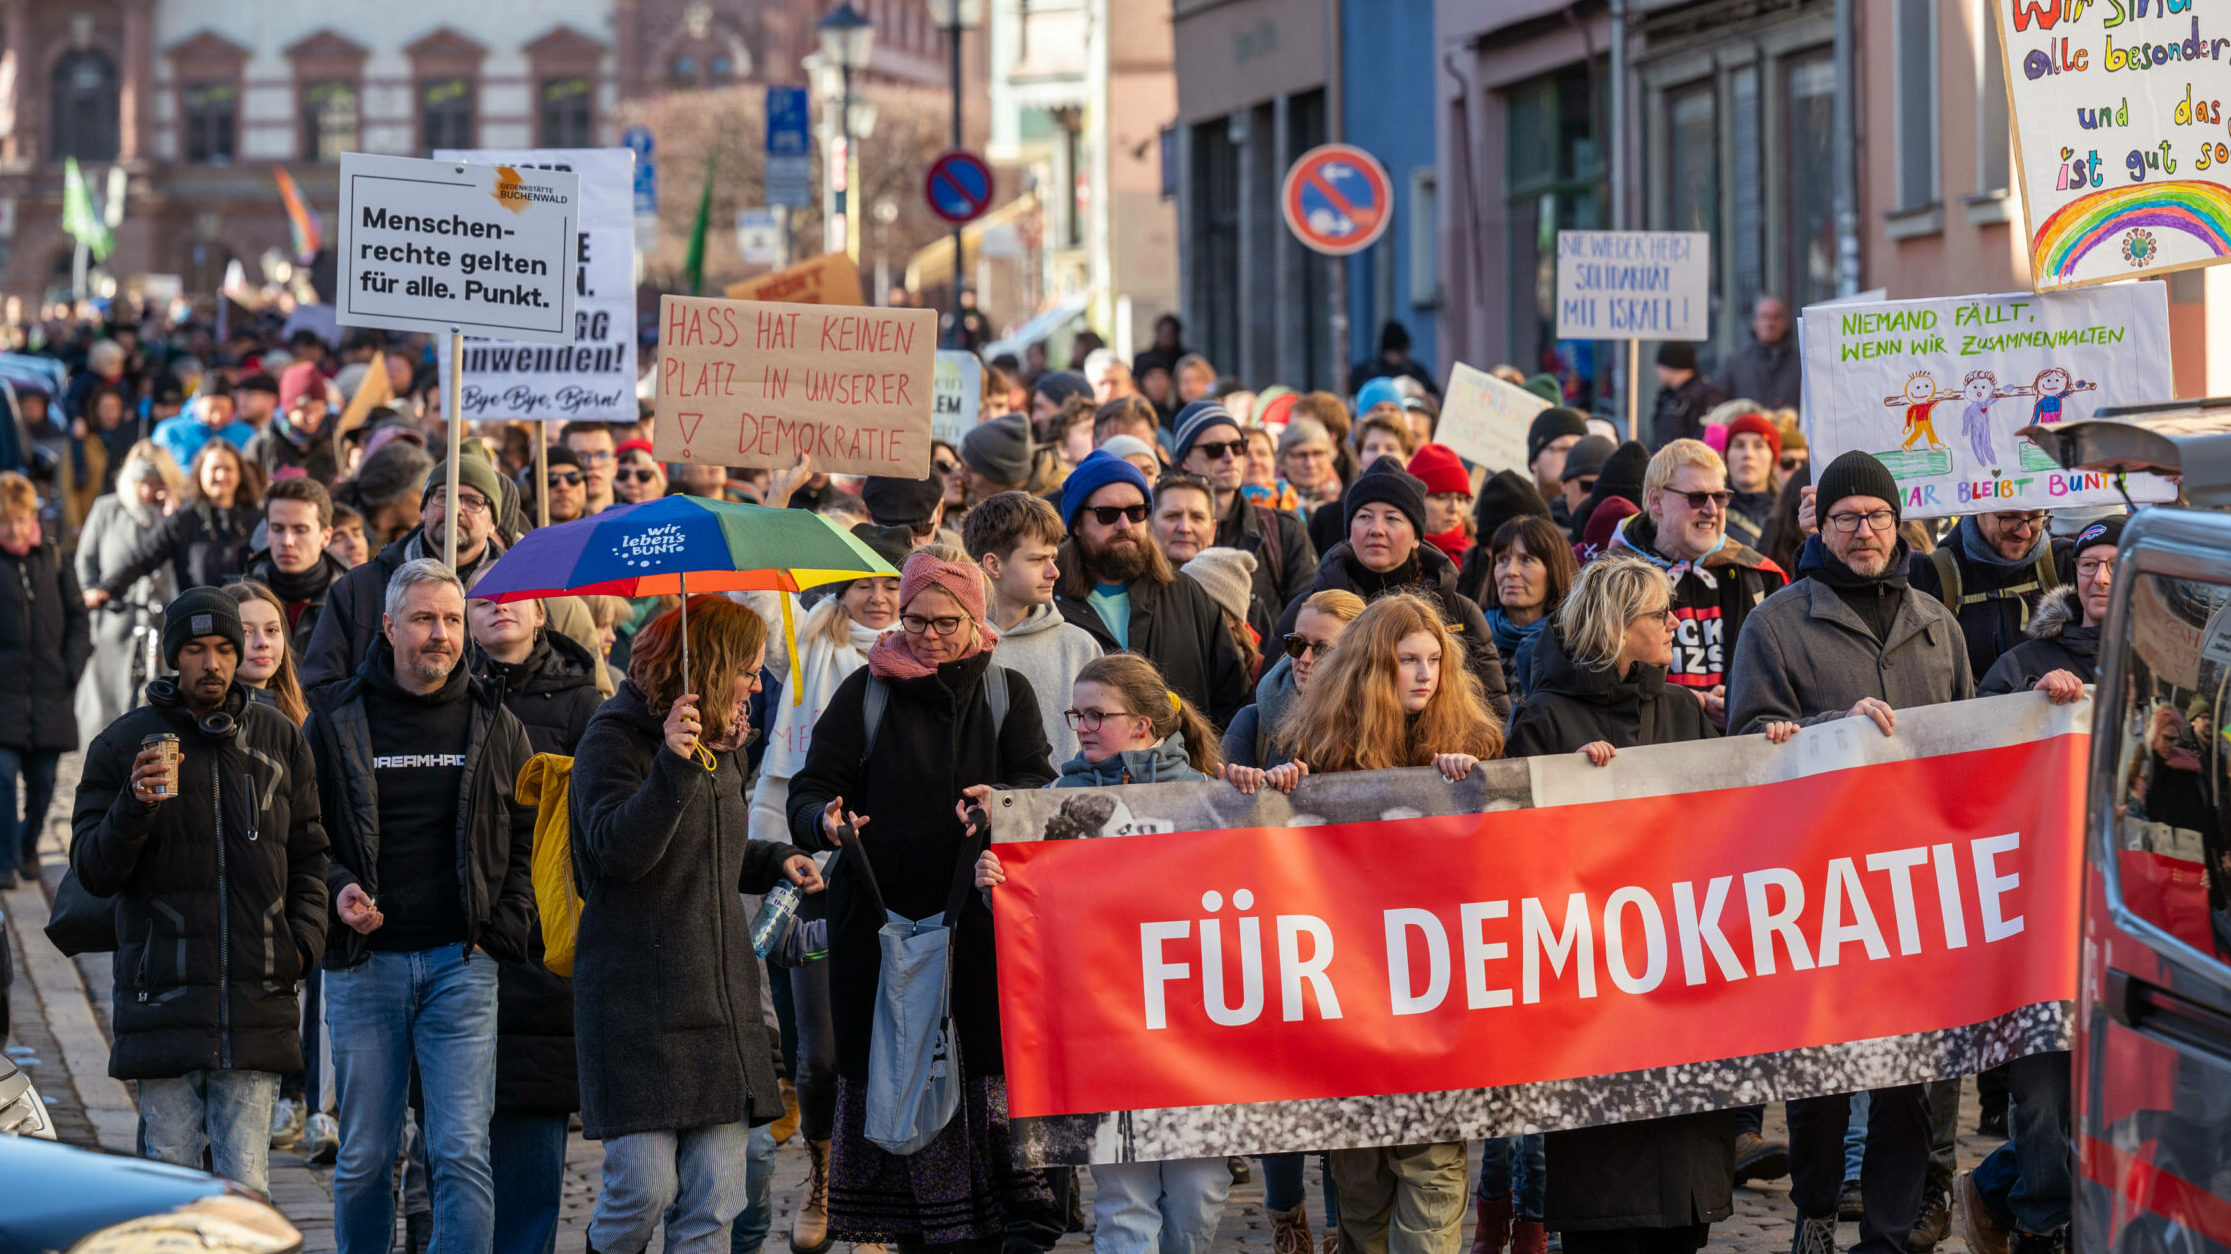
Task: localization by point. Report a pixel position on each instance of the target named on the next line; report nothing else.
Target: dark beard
(1117, 563)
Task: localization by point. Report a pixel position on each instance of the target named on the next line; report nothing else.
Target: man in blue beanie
(1120, 588)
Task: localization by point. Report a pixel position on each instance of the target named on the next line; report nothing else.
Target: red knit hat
(300, 380)
(1759, 425)
(1442, 470)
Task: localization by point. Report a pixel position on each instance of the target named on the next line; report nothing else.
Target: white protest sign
(958, 388)
(756, 383)
(446, 246)
(1633, 285)
(591, 379)
(1937, 388)
(2118, 115)
(1485, 419)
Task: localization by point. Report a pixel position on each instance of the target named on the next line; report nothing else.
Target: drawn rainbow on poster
(2198, 209)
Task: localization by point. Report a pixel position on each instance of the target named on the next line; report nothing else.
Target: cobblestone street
(61, 1021)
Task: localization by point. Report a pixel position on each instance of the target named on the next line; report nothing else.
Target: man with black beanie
(215, 855)
(1849, 639)
(916, 504)
(1554, 431)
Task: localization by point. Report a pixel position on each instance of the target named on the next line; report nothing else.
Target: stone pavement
(61, 1022)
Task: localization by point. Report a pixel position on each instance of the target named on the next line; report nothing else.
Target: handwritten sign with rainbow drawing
(2122, 126)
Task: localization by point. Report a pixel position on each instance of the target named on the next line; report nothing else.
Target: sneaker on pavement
(1757, 1158)
(1816, 1234)
(1978, 1227)
(286, 1122)
(321, 1140)
(1935, 1222)
(1849, 1204)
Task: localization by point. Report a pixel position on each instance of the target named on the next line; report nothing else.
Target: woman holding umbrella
(674, 1058)
(952, 724)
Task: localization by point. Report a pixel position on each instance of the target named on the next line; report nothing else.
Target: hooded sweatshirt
(1165, 763)
(1049, 650)
(1711, 597)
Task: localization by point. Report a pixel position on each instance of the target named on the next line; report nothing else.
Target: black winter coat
(1653, 1173)
(1431, 574)
(220, 891)
(553, 695)
(2058, 641)
(1179, 628)
(1285, 560)
(353, 605)
(44, 642)
(665, 986)
(1999, 600)
(205, 547)
(495, 834)
(304, 594)
(936, 739)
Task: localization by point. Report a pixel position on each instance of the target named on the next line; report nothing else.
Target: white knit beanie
(1228, 575)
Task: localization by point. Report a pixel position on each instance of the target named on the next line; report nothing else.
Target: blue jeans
(1282, 1186)
(692, 1180)
(2027, 1179)
(1516, 1165)
(227, 1113)
(436, 1007)
(750, 1232)
(19, 837)
(1171, 1206)
(1855, 1138)
(526, 1157)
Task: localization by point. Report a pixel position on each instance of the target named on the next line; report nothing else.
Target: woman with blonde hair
(148, 486)
(674, 1059)
(266, 663)
(1600, 686)
(1394, 693)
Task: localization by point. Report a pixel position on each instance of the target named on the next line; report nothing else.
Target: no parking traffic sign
(1337, 199)
(959, 187)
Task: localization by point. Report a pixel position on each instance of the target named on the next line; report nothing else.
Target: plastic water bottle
(778, 912)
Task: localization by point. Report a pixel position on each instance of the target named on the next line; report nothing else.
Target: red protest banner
(1474, 951)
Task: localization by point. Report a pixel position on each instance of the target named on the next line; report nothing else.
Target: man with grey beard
(1849, 639)
(431, 887)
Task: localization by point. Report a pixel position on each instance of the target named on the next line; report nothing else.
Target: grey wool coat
(665, 987)
(1805, 657)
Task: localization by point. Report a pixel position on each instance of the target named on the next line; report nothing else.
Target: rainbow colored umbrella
(661, 547)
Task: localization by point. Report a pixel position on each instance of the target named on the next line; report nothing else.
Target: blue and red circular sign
(959, 187)
(1337, 199)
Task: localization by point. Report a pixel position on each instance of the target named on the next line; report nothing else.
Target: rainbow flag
(302, 220)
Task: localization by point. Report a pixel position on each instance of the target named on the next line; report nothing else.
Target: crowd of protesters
(311, 784)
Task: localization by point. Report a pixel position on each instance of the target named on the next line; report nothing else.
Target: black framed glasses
(1298, 644)
(1106, 515)
(1090, 720)
(1874, 520)
(570, 478)
(1218, 450)
(943, 625)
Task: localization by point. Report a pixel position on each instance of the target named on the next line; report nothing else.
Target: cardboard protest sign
(2118, 117)
(1634, 285)
(1540, 956)
(1485, 419)
(959, 391)
(591, 379)
(1937, 388)
(756, 383)
(445, 246)
(830, 279)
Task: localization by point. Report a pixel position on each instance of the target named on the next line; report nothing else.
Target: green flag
(80, 220)
(694, 265)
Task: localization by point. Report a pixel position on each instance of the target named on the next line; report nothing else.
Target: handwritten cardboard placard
(1937, 388)
(1485, 419)
(2118, 113)
(756, 383)
(830, 279)
(1634, 285)
(959, 391)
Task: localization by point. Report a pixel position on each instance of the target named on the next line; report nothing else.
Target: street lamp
(957, 16)
(847, 41)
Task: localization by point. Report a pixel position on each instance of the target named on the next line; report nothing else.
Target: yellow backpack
(545, 783)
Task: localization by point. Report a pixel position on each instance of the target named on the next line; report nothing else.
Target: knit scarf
(1454, 543)
(823, 664)
(1638, 535)
(893, 655)
(1509, 635)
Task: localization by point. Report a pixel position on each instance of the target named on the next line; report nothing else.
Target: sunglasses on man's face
(569, 478)
(1218, 450)
(1106, 515)
(1698, 500)
(1791, 464)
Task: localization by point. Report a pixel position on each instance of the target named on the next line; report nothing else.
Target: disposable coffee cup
(168, 743)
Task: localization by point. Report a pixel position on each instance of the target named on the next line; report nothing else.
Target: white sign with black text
(449, 246)
(1634, 285)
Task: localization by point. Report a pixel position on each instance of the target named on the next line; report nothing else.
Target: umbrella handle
(684, 575)
(790, 647)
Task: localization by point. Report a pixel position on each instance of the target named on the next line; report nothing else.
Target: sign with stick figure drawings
(1937, 389)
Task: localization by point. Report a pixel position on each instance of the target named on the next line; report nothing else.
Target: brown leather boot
(1289, 1231)
(1493, 1231)
(1529, 1237)
(809, 1228)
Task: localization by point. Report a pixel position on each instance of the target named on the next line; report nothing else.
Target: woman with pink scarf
(901, 803)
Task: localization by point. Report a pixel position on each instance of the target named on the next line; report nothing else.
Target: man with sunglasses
(1210, 443)
(1717, 579)
(567, 483)
(1120, 588)
(1850, 639)
(1992, 572)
